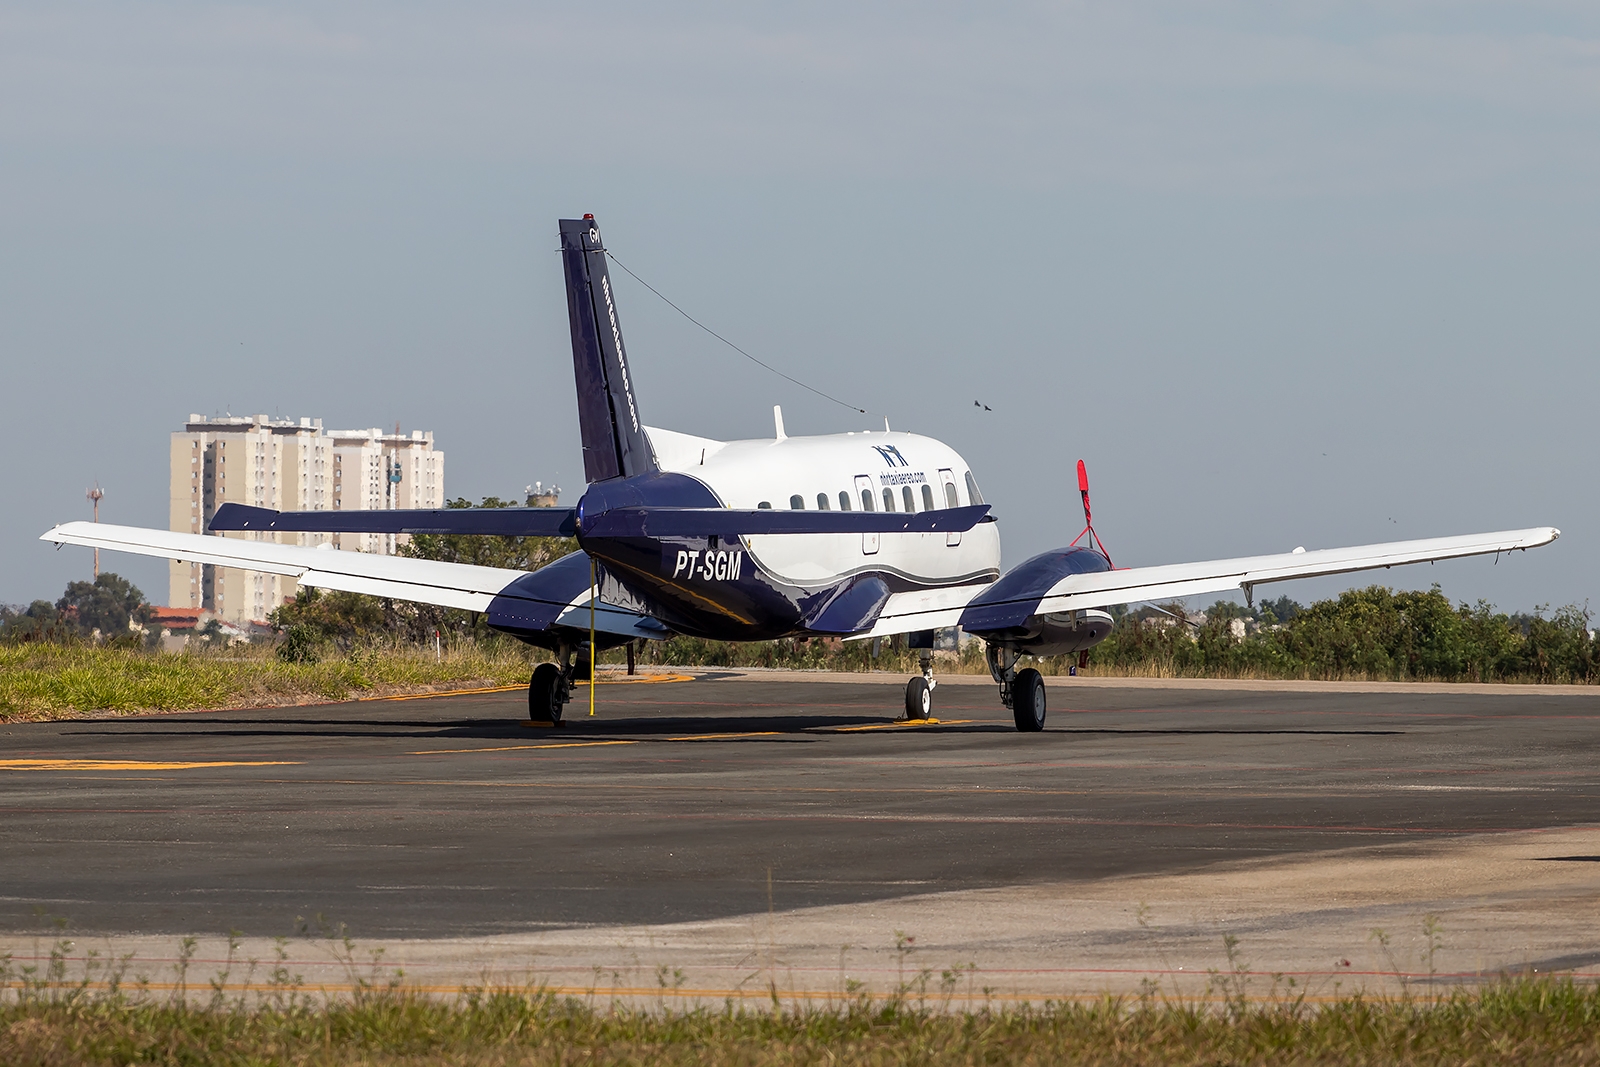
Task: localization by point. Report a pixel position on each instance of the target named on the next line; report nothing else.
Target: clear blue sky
(1308, 274)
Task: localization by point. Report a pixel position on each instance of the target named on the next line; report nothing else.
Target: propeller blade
(1083, 490)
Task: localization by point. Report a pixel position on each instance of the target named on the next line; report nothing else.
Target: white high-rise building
(373, 471)
(287, 465)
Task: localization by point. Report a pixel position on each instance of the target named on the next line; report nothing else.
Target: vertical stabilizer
(614, 441)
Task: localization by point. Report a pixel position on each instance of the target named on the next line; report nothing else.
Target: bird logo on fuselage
(891, 455)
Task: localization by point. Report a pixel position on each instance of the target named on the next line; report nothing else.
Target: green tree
(510, 553)
(1559, 649)
(507, 553)
(347, 619)
(39, 621)
(342, 618)
(108, 605)
(1280, 611)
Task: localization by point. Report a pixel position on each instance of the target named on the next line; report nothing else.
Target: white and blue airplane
(854, 535)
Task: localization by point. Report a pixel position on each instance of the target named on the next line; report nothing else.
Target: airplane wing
(528, 602)
(969, 607)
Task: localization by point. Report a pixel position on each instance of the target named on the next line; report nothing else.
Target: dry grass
(1541, 1022)
(44, 681)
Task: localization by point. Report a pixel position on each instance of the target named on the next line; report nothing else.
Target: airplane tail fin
(614, 440)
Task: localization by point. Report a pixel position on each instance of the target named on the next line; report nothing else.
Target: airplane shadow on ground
(720, 728)
(723, 729)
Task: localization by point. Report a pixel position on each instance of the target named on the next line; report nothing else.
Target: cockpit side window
(972, 490)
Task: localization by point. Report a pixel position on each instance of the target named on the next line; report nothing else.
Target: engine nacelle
(1059, 633)
(1007, 613)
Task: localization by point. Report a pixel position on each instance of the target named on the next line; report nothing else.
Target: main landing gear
(919, 691)
(551, 687)
(1021, 691)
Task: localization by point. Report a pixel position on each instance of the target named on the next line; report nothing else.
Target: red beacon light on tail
(1088, 515)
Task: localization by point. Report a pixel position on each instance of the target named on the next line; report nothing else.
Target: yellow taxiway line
(633, 679)
(898, 724)
(517, 748)
(604, 679)
(131, 765)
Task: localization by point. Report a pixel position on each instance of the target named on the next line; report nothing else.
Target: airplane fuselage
(733, 586)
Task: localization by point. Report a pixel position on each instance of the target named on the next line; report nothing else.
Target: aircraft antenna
(94, 496)
(730, 344)
(1088, 514)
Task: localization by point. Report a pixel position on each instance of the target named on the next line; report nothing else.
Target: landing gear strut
(919, 691)
(1021, 691)
(551, 687)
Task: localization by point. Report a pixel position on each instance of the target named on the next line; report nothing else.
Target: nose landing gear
(919, 691)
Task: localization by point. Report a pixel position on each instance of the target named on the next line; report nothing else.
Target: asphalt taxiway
(700, 800)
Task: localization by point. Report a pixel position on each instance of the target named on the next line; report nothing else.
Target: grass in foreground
(45, 681)
(1528, 1021)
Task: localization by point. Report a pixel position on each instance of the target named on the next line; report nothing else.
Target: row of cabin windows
(908, 499)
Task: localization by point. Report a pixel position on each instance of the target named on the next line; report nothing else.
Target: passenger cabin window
(797, 503)
(844, 500)
(972, 490)
(822, 501)
(927, 497)
(866, 500)
(950, 500)
(888, 499)
(765, 505)
(908, 502)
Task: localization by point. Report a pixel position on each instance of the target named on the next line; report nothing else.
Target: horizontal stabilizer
(499, 522)
(702, 522)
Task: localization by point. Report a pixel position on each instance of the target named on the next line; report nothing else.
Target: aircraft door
(869, 541)
(947, 489)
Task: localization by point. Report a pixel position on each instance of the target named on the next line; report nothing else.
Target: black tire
(1027, 700)
(919, 699)
(546, 694)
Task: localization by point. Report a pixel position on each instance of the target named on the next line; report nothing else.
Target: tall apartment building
(373, 470)
(287, 465)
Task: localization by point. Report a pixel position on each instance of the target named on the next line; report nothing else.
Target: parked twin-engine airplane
(854, 535)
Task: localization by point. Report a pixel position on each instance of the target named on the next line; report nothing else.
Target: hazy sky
(1309, 274)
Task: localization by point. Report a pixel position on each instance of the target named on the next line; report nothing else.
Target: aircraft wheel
(1027, 700)
(546, 693)
(919, 699)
